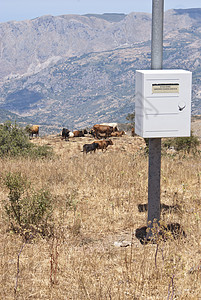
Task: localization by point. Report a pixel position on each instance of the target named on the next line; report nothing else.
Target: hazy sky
(29, 9)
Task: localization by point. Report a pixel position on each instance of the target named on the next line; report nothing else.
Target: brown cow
(102, 135)
(100, 129)
(118, 133)
(114, 125)
(103, 144)
(78, 133)
(33, 130)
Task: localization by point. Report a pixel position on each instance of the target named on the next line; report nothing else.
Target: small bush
(185, 144)
(14, 141)
(40, 151)
(26, 208)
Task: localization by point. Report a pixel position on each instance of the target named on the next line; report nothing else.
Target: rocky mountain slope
(75, 70)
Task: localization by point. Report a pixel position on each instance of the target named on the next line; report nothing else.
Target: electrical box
(163, 103)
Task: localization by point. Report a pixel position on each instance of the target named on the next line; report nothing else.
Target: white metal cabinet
(163, 103)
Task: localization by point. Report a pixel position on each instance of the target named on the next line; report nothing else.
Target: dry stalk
(171, 284)
(54, 254)
(18, 265)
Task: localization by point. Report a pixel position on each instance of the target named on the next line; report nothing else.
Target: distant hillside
(29, 46)
(108, 17)
(75, 70)
(9, 116)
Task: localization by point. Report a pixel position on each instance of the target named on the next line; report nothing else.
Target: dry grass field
(93, 252)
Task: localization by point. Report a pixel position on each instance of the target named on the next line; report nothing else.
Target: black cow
(90, 147)
(65, 133)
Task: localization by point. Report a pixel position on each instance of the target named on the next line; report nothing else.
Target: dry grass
(96, 199)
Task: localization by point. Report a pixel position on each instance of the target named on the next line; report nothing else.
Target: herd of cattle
(99, 131)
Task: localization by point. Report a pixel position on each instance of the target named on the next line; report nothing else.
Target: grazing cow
(33, 130)
(103, 144)
(114, 125)
(99, 129)
(102, 135)
(90, 147)
(78, 133)
(65, 133)
(118, 133)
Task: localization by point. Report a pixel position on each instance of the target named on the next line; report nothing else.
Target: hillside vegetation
(90, 250)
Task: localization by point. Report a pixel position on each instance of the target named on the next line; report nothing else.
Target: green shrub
(40, 151)
(14, 141)
(26, 208)
(185, 144)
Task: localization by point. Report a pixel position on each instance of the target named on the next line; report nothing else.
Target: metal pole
(157, 35)
(155, 143)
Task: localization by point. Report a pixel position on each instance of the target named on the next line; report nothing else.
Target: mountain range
(74, 71)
